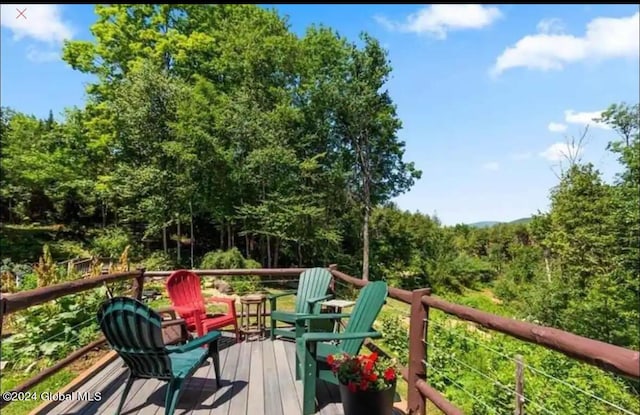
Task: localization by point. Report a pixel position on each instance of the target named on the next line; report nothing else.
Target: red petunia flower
(330, 359)
(372, 377)
(389, 374)
(373, 356)
(352, 386)
(368, 366)
(364, 385)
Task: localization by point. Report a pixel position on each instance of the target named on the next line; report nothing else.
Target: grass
(10, 379)
(52, 384)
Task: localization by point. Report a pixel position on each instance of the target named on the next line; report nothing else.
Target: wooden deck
(257, 378)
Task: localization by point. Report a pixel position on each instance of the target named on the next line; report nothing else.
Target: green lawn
(10, 380)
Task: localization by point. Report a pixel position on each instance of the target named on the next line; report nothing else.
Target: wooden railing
(12, 303)
(606, 356)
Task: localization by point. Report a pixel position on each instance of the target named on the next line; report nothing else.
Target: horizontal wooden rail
(396, 293)
(437, 398)
(25, 299)
(604, 355)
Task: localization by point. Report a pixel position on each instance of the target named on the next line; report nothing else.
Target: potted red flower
(367, 383)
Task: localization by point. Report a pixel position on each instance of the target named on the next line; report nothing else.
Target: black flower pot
(367, 402)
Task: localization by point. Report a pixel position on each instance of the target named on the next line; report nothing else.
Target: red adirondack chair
(184, 291)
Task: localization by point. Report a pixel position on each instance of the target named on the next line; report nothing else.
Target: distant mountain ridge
(488, 224)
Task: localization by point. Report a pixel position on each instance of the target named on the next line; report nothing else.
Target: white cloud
(521, 156)
(438, 19)
(551, 48)
(37, 55)
(550, 26)
(492, 165)
(556, 127)
(43, 22)
(561, 151)
(585, 118)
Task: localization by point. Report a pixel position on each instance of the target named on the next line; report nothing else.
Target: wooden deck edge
(87, 374)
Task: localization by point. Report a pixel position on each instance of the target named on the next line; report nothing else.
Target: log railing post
(417, 351)
(332, 284)
(138, 285)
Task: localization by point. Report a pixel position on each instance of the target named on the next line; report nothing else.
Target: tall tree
(367, 124)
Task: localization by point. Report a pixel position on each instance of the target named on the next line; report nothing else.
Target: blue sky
(488, 95)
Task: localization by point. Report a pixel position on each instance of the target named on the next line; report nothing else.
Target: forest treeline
(218, 128)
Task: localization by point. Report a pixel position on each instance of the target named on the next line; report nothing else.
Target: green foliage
(462, 356)
(49, 332)
(233, 259)
(29, 282)
(110, 242)
(158, 261)
(66, 249)
(395, 334)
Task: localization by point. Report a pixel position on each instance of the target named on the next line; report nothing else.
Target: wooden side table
(255, 328)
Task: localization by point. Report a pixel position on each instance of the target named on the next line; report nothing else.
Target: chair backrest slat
(364, 313)
(313, 283)
(134, 331)
(184, 290)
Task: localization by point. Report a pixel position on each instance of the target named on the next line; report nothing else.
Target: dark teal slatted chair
(312, 290)
(312, 349)
(134, 331)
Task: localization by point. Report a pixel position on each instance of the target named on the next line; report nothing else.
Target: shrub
(395, 336)
(68, 249)
(158, 261)
(110, 242)
(233, 259)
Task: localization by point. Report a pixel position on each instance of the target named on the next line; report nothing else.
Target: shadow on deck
(258, 377)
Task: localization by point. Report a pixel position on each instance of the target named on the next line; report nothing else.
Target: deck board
(290, 403)
(257, 377)
(290, 348)
(272, 400)
(256, 384)
(103, 382)
(240, 391)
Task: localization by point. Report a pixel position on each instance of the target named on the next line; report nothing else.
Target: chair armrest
(312, 301)
(319, 337)
(185, 311)
(274, 296)
(167, 310)
(323, 316)
(197, 342)
(174, 322)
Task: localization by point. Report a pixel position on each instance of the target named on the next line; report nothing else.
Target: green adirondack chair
(134, 331)
(312, 349)
(312, 290)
